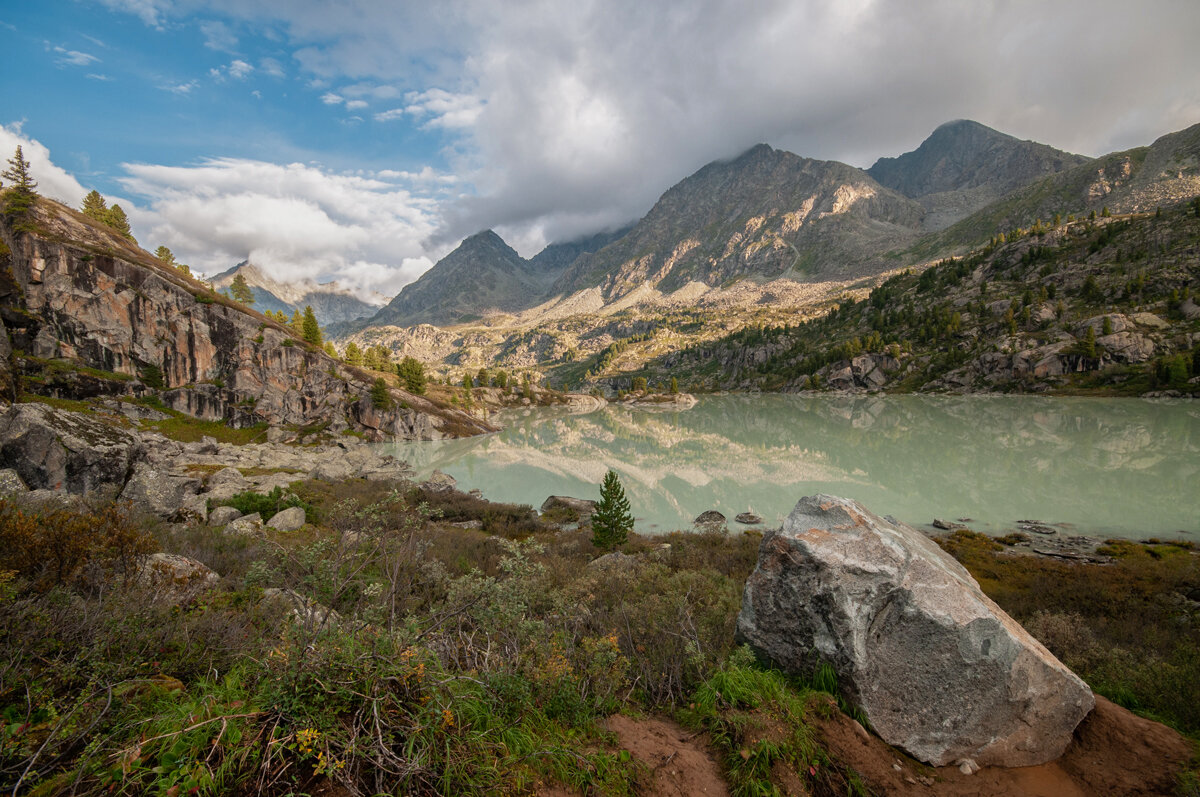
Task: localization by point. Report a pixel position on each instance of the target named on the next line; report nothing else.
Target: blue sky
(362, 139)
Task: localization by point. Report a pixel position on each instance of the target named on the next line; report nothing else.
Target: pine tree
(466, 381)
(412, 372)
(20, 195)
(381, 399)
(311, 329)
(674, 386)
(240, 290)
(639, 384)
(94, 207)
(328, 347)
(297, 323)
(612, 521)
(353, 354)
(117, 219)
(165, 255)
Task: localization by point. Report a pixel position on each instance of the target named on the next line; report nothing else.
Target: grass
(467, 661)
(187, 429)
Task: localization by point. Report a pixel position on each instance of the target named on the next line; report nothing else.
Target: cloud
(444, 108)
(271, 67)
(238, 69)
(74, 57)
(97, 76)
(52, 181)
(218, 36)
(185, 88)
(354, 105)
(329, 98)
(294, 220)
(150, 11)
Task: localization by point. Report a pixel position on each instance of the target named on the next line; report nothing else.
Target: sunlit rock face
(85, 294)
(939, 669)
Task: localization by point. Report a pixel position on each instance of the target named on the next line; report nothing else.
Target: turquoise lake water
(1120, 467)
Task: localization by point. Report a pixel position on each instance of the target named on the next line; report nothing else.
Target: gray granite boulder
(226, 483)
(939, 669)
(582, 508)
(174, 578)
(246, 525)
(223, 515)
(290, 519)
(11, 483)
(439, 482)
(160, 493)
(58, 450)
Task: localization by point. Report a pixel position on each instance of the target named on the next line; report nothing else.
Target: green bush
(269, 504)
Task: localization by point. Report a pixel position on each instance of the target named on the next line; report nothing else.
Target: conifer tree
(330, 350)
(20, 195)
(381, 399)
(162, 253)
(412, 372)
(240, 290)
(94, 206)
(311, 329)
(353, 354)
(117, 219)
(297, 323)
(674, 386)
(612, 521)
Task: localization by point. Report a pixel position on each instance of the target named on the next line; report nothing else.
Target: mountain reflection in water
(1127, 467)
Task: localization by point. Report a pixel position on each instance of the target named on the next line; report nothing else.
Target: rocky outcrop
(91, 298)
(58, 450)
(938, 668)
(161, 493)
(580, 509)
(176, 579)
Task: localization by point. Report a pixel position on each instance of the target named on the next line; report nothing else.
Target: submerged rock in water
(939, 669)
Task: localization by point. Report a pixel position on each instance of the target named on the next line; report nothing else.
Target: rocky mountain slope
(1103, 306)
(1136, 180)
(332, 303)
(964, 166)
(87, 313)
(764, 214)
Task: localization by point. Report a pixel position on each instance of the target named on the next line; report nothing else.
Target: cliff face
(81, 294)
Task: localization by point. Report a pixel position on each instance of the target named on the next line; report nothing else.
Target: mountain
(767, 213)
(1134, 180)
(481, 276)
(331, 302)
(88, 314)
(964, 166)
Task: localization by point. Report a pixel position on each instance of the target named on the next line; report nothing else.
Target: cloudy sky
(363, 139)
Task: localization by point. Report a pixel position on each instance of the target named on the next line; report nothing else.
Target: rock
(195, 507)
(748, 518)
(223, 515)
(1149, 320)
(174, 578)
(59, 450)
(944, 525)
(290, 519)
(1129, 347)
(939, 670)
(1189, 309)
(467, 524)
(301, 609)
(277, 435)
(159, 493)
(582, 507)
(245, 525)
(613, 562)
(10, 482)
(228, 482)
(334, 470)
(439, 482)
(967, 766)
(476, 493)
(708, 517)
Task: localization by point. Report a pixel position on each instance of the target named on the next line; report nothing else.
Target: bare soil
(1114, 753)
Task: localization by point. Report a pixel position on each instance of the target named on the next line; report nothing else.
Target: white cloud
(150, 11)
(329, 98)
(239, 69)
(74, 57)
(97, 76)
(354, 105)
(387, 116)
(182, 88)
(218, 36)
(53, 181)
(295, 221)
(272, 67)
(444, 108)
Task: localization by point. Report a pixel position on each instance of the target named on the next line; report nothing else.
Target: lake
(1120, 467)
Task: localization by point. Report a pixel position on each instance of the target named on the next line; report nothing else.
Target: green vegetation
(312, 330)
(612, 520)
(21, 192)
(457, 661)
(239, 290)
(381, 398)
(268, 505)
(412, 373)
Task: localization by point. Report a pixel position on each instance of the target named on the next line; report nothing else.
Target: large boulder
(290, 519)
(176, 579)
(53, 449)
(160, 493)
(939, 669)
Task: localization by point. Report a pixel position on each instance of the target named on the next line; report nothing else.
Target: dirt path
(1114, 753)
(681, 763)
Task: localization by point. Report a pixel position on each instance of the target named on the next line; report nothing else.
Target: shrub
(268, 505)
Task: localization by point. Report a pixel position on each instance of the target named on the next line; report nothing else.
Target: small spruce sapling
(612, 521)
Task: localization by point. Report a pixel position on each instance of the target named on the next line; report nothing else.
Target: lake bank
(1101, 467)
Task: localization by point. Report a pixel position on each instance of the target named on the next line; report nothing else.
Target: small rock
(223, 515)
(10, 482)
(303, 610)
(468, 524)
(968, 766)
(938, 523)
(245, 525)
(476, 493)
(710, 516)
(582, 507)
(748, 518)
(439, 482)
(613, 562)
(175, 578)
(290, 519)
